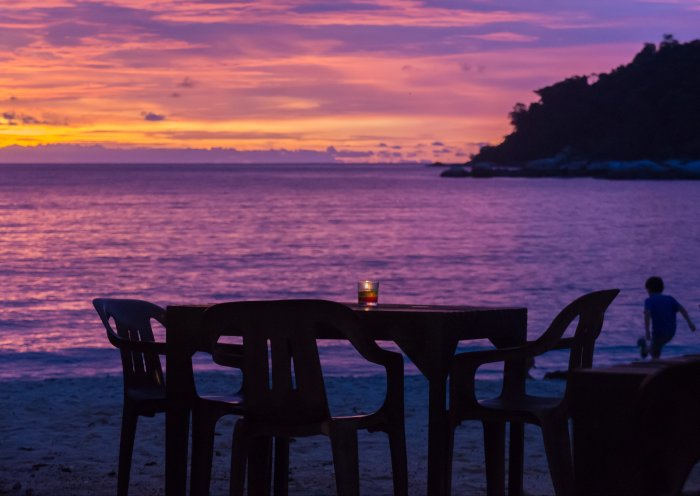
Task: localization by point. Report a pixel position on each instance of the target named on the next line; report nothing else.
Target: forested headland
(640, 120)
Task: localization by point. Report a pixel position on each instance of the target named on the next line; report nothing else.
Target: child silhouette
(659, 318)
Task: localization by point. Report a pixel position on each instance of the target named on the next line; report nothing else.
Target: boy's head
(655, 285)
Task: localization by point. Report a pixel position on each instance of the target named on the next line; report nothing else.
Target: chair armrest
(465, 365)
(563, 344)
(394, 367)
(394, 380)
(228, 355)
(392, 409)
(137, 346)
(390, 360)
(474, 359)
(378, 355)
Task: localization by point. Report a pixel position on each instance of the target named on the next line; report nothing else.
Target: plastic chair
(284, 389)
(516, 407)
(144, 386)
(144, 383)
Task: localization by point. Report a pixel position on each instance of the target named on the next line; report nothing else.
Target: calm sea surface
(212, 233)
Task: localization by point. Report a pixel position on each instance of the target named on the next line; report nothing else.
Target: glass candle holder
(368, 293)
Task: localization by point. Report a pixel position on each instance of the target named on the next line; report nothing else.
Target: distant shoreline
(564, 168)
(204, 163)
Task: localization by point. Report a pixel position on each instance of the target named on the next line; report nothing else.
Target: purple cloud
(152, 116)
(348, 153)
(13, 118)
(187, 82)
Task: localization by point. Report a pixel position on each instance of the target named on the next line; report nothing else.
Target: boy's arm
(647, 319)
(685, 315)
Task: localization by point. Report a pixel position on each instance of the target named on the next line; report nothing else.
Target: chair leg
(345, 458)
(399, 463)
(239, 454)
(126, 448)
(203, 429)
(281, 476)
(259, 465)
(558, 450)
(450, 456)
(515, 459)
(495, 451)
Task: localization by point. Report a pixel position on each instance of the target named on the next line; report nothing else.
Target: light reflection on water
(195, 234)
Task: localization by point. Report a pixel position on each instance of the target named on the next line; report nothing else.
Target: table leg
(177, 419)
(438, 434)
(179, 389)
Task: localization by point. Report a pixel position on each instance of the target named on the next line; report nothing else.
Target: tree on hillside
(647, 109)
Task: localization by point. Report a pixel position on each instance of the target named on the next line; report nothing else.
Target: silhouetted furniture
(144, 384)
(206, 412)
(516, 407)
(145, 390)
(636, 427)
(427, 334)
(284, 389)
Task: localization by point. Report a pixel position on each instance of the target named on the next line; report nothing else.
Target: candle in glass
(368, 293)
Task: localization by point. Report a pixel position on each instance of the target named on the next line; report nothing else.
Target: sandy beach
(60, 437)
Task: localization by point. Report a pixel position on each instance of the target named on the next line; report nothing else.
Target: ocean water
(212, 233)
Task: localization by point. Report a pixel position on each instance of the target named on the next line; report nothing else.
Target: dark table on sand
(427, 334)
(636, 427)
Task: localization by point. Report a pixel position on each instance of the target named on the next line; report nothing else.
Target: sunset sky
(355, 80)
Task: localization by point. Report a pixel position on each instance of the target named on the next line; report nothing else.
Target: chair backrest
(589, 309)
(132, 319)
(283, 380)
